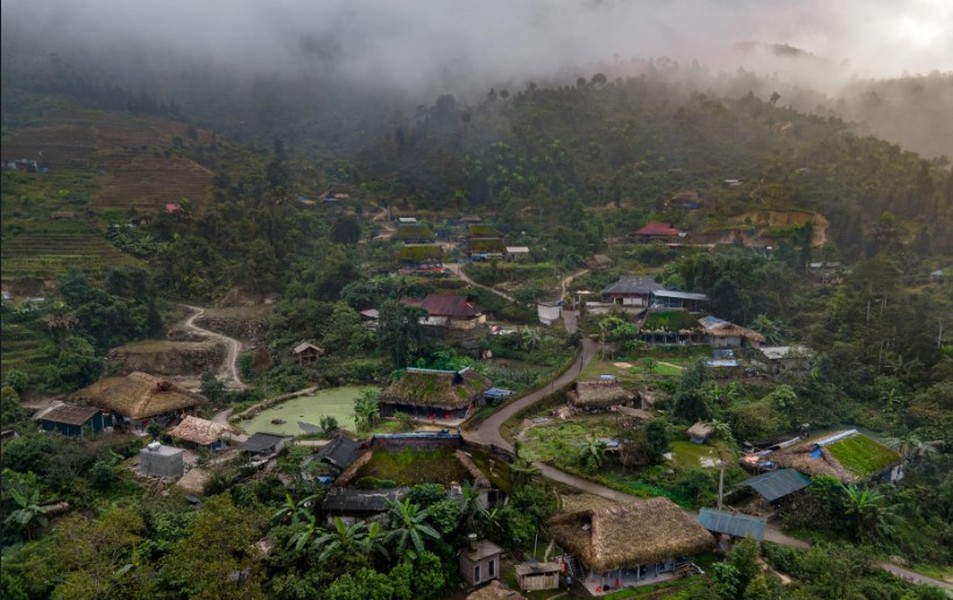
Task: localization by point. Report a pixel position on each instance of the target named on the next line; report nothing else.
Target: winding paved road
(230, 367)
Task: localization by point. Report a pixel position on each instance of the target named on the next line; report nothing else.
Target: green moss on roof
(863, 456)
(413, 232)
(419, 252)
(487, 245)
(435, 389)
(484, 231)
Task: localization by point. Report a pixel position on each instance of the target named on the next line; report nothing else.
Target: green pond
(334, 402)
(690, 454)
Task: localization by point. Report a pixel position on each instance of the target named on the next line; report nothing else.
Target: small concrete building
(158, 460)
(480, 562)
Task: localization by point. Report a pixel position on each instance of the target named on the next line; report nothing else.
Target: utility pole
(721, 482)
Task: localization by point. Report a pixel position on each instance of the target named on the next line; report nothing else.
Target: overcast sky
(416, 41)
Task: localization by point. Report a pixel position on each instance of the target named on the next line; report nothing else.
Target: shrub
(373, 483)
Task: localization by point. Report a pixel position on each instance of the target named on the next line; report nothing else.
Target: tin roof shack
(629, 544)
(777, 484)
(480, 562)
(794, 360)
(265, 445)
(849, 456)
(139, 399)
(599, 395)
(339, 453)
(722, 334)
(735, 525)
(158, 460)
(73, 421)
(435, 395)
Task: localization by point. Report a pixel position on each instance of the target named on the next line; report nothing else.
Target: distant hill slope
(137, 158)
(96, 168)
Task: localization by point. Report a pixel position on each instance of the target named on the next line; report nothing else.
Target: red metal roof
(658, 229)
(439, 305)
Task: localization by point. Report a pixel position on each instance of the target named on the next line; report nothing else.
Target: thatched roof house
(427, 391)
(627, 535)
(200, 432)
(722, 334)
(849, 456)
(138, 396)
(634, 414)
(599, 394)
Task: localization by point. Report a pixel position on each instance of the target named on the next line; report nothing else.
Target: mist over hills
(331, 73)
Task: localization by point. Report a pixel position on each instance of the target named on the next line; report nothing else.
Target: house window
(476, 574)
(491, 570)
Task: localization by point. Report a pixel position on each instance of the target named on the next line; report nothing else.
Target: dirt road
(230, 366)
(458, 271)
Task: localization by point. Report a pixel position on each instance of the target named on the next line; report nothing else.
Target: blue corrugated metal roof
(735, 525)
(777, 484)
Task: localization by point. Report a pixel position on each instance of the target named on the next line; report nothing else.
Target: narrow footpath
(230, 367)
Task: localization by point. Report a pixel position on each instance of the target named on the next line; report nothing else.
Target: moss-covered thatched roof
(418, 252)
(599, 394)
(447, 390)
(416, 231)
(853, 459)
(198, 431)
(627, 535)
(487, 245)
(137, 396)
(485, 231)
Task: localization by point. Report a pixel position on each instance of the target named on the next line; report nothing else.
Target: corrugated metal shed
(735, 525)
(777, 484)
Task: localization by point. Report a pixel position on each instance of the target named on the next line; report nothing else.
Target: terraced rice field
(48, 255)
(24, 354)
(148, 183)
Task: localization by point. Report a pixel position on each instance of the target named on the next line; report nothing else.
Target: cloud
(419, 42)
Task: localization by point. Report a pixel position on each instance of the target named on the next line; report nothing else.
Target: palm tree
(593, 453)
(347, 542)
(530, 338)
(29, 515)
(367, 409)
(868, 509)
(304, 534)
(294, 511)
(409, 525)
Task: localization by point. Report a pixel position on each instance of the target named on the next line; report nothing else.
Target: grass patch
(689, 455)
(939, 572)
(863, 456)
(559, 443)
(687, 588)
(410, 467)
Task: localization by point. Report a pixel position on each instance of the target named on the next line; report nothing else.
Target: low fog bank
(242, 60)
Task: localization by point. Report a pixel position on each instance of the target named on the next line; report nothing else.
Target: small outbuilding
(700, 432)
(263, 445)
(306, 353)
(339, 453)
(538, 576)
(480, 562)
(777, 484)
(159, 460)
(352, 504)
(735, 525)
